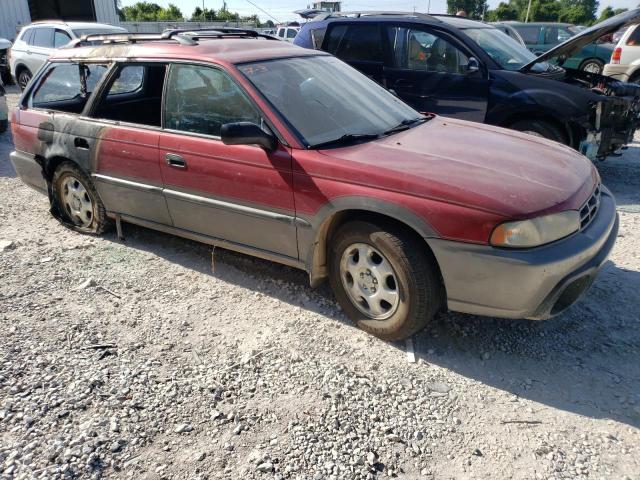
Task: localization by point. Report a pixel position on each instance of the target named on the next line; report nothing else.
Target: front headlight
(536, 231)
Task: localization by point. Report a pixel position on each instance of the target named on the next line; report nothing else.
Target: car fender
(314, 230)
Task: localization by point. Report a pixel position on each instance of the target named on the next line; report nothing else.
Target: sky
(282, 9)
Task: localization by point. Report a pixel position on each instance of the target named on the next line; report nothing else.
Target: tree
(609, 12)
(544, 11)
(170, 13)
(504, 11)
(473, 8)
(578, 12)
(142, 12)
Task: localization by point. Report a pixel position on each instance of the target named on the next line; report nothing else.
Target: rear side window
(634, 38)
(201, 99)
(356, 42)
(43, 37)
(291, 33)
(530, 35)
(281, 32)
(67, 87)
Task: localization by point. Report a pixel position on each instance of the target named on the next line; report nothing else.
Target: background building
(327, 6)
(16, 13)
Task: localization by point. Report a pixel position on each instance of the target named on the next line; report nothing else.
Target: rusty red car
(268, 149)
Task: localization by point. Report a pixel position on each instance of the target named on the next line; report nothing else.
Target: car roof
(223, 50)
(430, 19)
(79, 25)
(535, 24)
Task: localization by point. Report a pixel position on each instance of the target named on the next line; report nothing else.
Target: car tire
(592, 65)
(4, 125)
(368, 262)
(77, 200)
(540, 128)
(24, 77)
(5, 74)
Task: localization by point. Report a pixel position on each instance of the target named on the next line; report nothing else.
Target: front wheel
(24, 77)
(385, 279)
(77, 200)
(540, 128)
(593, 65)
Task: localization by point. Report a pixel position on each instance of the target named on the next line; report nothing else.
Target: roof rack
(367, 13)
(181, 36)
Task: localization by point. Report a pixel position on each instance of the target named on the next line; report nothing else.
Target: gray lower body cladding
(534, 283)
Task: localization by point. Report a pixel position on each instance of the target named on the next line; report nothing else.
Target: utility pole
(428, 6)
(526, 19)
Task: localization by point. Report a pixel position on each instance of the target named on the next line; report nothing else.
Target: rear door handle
(174, 160)
(81, 143)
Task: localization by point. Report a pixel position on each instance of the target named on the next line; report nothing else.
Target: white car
(625, 59)
(37, 41)
(287, 33)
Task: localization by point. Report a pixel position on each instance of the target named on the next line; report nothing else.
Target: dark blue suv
(457, 67)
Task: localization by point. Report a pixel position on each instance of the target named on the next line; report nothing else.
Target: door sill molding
(216, 242)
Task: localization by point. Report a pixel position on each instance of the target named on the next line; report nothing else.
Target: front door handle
(81, 143)
(174, 160)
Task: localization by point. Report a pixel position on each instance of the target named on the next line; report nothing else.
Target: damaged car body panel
(465, 69)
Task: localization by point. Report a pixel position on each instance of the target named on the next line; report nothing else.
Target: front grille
(590, 208)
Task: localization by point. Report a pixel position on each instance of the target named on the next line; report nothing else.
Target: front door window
(202, 99)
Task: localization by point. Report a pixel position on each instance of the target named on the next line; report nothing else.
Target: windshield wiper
(345, 139)
(406, 125)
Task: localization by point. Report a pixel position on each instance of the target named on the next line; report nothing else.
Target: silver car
(37, 41)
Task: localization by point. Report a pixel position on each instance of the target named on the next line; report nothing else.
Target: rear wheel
(24, 77)
(385, 279)
(540, 128)
(592, 65)
(77, 200)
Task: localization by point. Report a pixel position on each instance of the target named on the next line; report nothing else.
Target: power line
(263, 11)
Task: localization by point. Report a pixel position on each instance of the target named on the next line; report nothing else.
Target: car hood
(576, 43)
(478, 166)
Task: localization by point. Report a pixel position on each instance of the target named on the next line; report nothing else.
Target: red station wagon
(291, 155)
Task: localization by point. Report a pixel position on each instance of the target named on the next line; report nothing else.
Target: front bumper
(535, 283)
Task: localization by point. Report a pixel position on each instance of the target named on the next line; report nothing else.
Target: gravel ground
(137, 360)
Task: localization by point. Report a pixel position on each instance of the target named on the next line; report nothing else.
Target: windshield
(324, 99)
(508, 53)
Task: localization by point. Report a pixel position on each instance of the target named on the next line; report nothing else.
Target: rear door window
(530, 34)
(43, 37)
(134, 95)
(361, 42)
(67, 87)
(27, 36)
(201, 99)
(291, 33)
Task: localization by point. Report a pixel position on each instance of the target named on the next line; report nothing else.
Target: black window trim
(243, 90)
(27, 98)
(112, 67)
(100, 91)
(384, 47)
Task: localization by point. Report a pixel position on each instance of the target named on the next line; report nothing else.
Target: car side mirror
(247, 133)
(473, 65)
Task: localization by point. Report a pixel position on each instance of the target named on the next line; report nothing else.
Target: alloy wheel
(77, 202)
(369, 281)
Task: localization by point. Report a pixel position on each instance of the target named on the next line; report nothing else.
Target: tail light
(616, 55)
